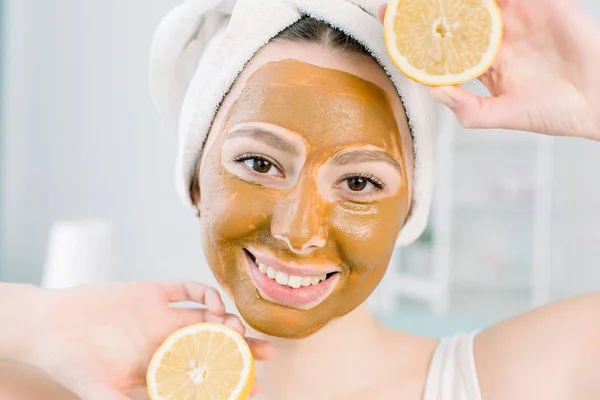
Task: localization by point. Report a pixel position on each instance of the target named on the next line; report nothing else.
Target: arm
(26, 383)
(552, 353)
(17, 303)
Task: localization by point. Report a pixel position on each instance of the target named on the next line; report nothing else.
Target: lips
(290, 286)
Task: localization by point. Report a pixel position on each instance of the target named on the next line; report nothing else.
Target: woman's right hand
(98, 340)
(545, 78)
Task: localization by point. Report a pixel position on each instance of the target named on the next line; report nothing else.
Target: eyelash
(249, 156)
(370, 177)
(374, 180)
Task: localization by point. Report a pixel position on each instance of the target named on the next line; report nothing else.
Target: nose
(300, 220)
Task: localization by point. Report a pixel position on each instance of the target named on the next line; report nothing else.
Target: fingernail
(442, 95)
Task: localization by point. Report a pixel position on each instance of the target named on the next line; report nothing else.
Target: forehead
(318, 55)
(324, 105)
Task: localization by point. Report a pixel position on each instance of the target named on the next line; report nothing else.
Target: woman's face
(304, 186)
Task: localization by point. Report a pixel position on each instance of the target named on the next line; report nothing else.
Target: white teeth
(282, 278)
(293, 281)
(271, 272)
(262, 267)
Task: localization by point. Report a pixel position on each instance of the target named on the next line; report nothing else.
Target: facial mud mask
(306, 180)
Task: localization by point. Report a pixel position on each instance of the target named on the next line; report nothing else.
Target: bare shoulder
(552, 352)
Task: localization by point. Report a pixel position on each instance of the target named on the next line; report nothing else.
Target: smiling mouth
(292, 290)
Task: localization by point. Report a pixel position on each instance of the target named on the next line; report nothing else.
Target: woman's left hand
(545, 78)
(98, 340)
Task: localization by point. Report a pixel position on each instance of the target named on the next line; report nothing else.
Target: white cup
(79, 252)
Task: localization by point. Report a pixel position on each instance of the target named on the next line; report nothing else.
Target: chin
(286, 324)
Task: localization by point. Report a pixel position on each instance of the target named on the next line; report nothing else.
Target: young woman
(304, 182)
(303, 185)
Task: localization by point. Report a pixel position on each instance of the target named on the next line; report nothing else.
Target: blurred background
(87, 192)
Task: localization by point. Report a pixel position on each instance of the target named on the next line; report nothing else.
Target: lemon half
(205, 361)
(443, 42)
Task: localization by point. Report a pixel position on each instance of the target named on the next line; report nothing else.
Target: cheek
(366, 234)
(230, 207)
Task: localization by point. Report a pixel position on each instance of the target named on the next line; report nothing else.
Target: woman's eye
(357, 184)
(361, 184)
(259, 165)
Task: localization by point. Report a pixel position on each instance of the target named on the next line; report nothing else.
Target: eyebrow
(364, 155)
(271, 139)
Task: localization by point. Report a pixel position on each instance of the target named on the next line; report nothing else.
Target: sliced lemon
(205, 361)
(443, 42)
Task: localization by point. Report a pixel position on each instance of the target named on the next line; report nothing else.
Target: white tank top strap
(452, 374)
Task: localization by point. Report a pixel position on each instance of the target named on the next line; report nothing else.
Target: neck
(298, 366)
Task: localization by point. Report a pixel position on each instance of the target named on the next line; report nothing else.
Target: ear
(195, 193)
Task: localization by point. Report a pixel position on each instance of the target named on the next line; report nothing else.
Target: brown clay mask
(303, 195)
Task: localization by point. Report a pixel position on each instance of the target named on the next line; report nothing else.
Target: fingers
(255, 388)
(503, 3)
(476, 112)
(99, 392)
(381, 12)
(197, 292)
(261, 350)
(190, 316)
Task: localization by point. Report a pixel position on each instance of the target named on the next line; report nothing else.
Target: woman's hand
(97, 340)
(545, 78)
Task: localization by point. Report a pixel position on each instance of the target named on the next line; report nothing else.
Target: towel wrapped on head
(201, 47)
